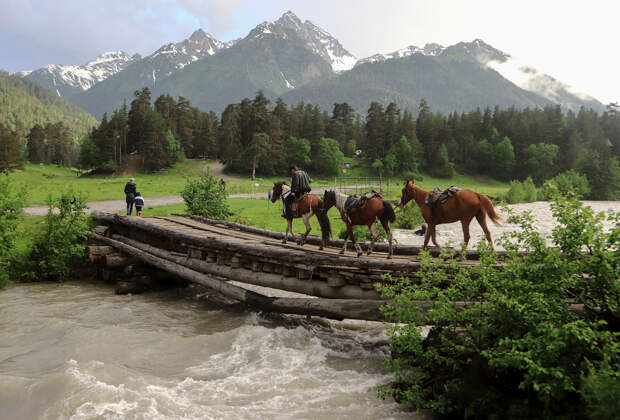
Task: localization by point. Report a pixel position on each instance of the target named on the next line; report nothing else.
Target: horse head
(407, 194)
(277, 191)
(329, 200)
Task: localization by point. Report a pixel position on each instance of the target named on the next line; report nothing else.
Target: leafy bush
(517, 348)
(515, 193)
(529, 190)
(297, 152)
(59, 248)
(521, 192)
(410, 217)
(363, 234)
(11, 208)
(571, 181)
(203, 196)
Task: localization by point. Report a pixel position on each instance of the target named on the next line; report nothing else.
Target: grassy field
(42, 180)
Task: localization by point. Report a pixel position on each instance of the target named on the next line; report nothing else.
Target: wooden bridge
(214, 252)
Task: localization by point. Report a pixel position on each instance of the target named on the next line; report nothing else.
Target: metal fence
(360, 185)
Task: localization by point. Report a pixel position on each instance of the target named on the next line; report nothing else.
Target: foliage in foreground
(59, 248)
(11, 208)
(523, 353)
(203, 196)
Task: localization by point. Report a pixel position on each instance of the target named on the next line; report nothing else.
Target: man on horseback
(300, 185)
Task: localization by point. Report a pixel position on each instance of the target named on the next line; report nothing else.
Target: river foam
(76, 351)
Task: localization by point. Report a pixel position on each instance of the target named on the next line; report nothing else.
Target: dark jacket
(138, 201)
(300, 182)
(130, 191)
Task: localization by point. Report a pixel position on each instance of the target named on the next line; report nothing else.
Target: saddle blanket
(355, 202)
(436, 196)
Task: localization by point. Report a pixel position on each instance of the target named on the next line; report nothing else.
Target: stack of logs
(129, 274)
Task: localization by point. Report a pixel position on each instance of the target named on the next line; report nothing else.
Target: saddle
(356, 202)
(295, 203)
(437, 197)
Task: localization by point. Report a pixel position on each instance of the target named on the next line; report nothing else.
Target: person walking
(130, 195)
(139, 203)
(300, 185)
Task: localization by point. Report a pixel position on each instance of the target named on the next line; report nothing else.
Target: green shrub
(530, 193)
(571, 182)
(410, 217)
(59, 249)
(11, 209)
(521, 192)
(363, 234)
(516, 193)
(517, 349)
(203, 196)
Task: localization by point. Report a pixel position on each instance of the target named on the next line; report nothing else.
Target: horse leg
(481, 217)
(357, 246)
(434, 236)
(306, 219)
(427, 235)
(465, 225)
(290, 229)
(386, 226)
(346, 237)
(288, 225)
(375, 234)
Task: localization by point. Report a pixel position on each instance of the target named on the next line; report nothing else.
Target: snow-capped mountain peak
(317, 39)
(430, 49)
(68, 79)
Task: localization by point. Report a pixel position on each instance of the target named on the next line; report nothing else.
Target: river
(77, 351)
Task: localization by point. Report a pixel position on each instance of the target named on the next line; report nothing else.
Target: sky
(575, 42)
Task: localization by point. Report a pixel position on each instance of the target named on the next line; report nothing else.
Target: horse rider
(300, 185)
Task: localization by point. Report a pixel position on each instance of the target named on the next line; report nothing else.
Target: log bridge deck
(213, 252)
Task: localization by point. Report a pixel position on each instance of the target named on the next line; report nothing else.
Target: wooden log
(95, 253)
(329, 308)
(261, 250)
(195, 253)
(101, 230)
(335, 280)
(235, 261)
(117, 261)
(275, 281)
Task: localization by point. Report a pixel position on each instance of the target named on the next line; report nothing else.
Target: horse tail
(326, 227)
(486, 206)
(388, 213)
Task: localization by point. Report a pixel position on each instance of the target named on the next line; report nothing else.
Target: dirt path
(218, 170)
(114, 206)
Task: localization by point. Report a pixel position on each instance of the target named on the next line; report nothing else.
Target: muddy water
(77, 351)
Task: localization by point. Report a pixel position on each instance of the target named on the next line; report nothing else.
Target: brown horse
(375, 208)
(464, 206)
(308, 205)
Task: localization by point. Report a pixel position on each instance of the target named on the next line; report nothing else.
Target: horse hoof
(283, 242)
(369, 252)
(389, 256)
(341, 252)
(359, 254)
(320, 248)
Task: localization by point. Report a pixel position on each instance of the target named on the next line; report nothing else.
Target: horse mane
(339, 199)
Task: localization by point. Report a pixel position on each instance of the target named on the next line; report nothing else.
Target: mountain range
(299, 61)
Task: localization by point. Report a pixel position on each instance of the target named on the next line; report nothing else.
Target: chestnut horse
(463, 206)
(375, 208)
(308, 205)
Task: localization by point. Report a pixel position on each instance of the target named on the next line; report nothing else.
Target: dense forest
(24, 103)
(258, 136)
